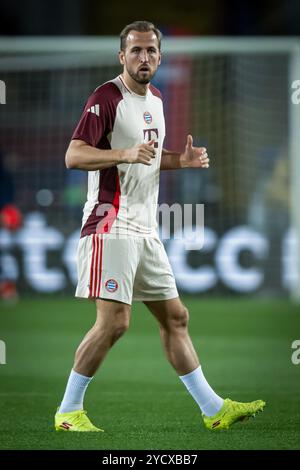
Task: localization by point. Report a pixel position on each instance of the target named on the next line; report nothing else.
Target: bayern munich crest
(147, 117)
(111, 285)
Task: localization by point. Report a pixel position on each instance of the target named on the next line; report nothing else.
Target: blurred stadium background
(234, 96)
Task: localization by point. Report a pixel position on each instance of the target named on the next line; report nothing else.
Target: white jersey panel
(138, 120)
(92, 194)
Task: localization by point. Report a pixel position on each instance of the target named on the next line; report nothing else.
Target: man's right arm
(82, 156)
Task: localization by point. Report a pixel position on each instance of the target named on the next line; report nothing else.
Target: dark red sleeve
(98, 117)
(155, 91)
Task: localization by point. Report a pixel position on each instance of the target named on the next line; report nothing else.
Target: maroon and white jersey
(122, 199)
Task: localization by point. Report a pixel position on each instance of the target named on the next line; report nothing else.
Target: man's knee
(113, 320)
(176, 320)
(120, 325)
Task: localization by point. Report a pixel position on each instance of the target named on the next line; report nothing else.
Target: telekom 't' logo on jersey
(150, 134)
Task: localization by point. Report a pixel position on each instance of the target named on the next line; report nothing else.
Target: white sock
(209, 402)
(74, 394)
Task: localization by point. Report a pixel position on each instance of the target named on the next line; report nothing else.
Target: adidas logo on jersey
(94, 109)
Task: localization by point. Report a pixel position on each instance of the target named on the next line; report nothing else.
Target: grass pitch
(136, 397)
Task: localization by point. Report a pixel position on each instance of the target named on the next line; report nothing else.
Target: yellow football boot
(74, 421)
(231, 412)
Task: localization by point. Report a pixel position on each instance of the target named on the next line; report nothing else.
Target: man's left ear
(159, 60)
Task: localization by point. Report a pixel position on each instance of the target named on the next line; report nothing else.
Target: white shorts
(125, 269)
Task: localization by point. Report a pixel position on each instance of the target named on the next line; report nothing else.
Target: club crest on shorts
(111, 285)
(147, 117)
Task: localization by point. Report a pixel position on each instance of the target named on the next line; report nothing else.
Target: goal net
(233, 96)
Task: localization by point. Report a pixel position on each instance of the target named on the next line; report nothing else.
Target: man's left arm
(192, 157)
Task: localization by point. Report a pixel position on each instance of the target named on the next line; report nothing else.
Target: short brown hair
(142, 27)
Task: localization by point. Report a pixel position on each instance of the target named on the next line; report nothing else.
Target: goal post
(294, 148)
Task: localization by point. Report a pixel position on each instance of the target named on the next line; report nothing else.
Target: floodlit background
(227, 78)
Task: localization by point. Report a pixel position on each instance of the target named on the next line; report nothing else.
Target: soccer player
(119, 141)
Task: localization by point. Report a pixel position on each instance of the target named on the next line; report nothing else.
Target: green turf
(244, 347)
